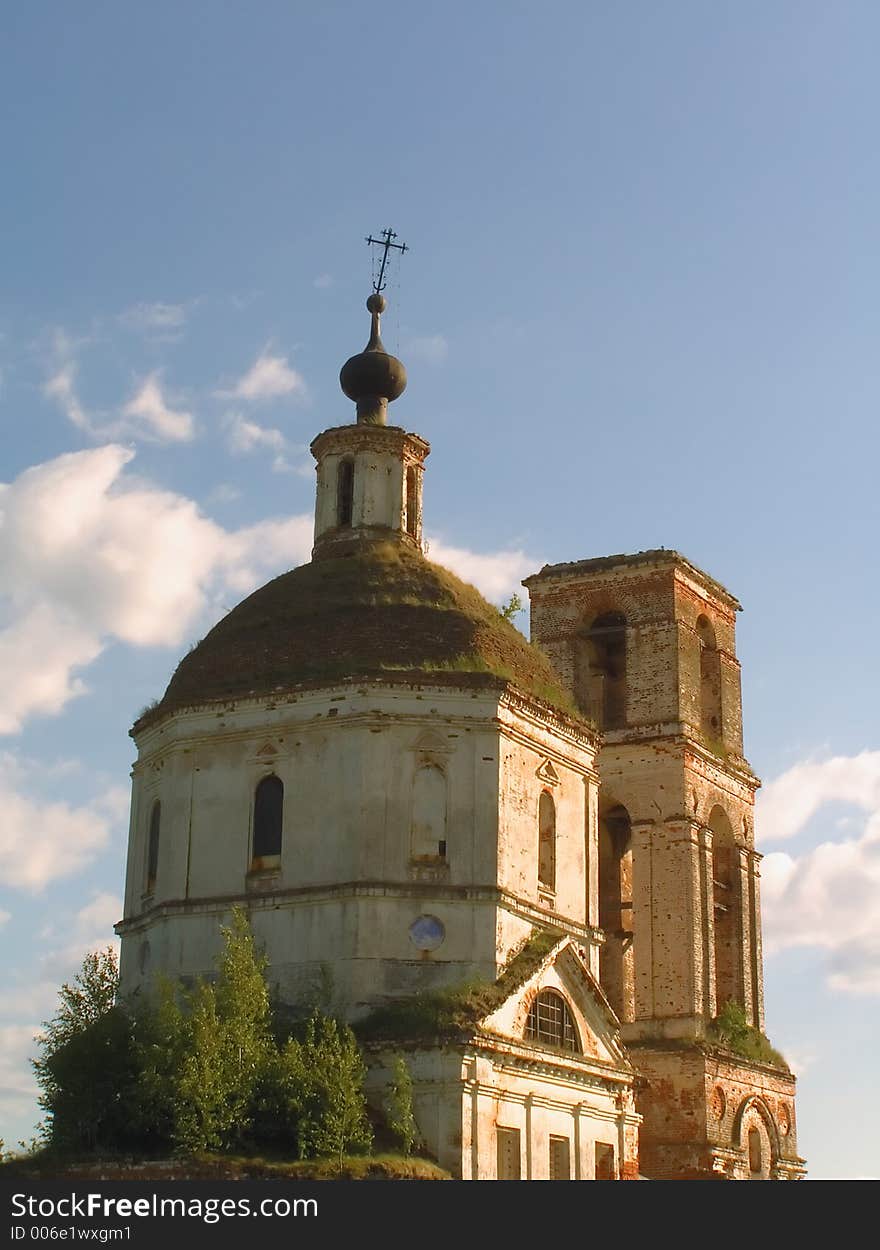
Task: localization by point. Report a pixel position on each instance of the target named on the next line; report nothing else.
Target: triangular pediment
(563, 972)
(547, 773)
(267, 750)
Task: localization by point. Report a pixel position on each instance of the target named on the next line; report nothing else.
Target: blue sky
(640, 309)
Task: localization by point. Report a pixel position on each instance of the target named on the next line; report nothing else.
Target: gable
(563, 973)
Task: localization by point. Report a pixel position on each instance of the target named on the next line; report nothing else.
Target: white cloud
(5, 916)
(828, 897)
(18, 1089)
(88, 555)
(154, 317)
(164, 423)
(146, 415)
(269, 377)
(431, 349)
(245, 436)
(497, 574)
(41, 840)
(787, 803)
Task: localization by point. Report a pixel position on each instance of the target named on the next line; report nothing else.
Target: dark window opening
(755, 1161)
(508, 1148)
(600, 671)
(441, 848)
(153, 846)
(412, 502)
(549, 1022)
(727, 909)
(710, 680)
(268, 810)
(560, 1159)
(616, 909)
(345, 492)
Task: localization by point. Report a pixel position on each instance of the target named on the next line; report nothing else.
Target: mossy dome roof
(380, 612)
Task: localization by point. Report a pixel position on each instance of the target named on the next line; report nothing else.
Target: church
(528, 867)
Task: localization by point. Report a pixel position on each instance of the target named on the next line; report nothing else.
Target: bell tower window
(710, 680)
(412, 502)
(546, 841)
(600, 670)
(153, 847)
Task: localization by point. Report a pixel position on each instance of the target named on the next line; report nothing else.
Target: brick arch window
(710, 679)
(153, 846)
(550, 1022)
(600, 670)
(546, 841)
(345, 493)
(727, 908)
(268, 812)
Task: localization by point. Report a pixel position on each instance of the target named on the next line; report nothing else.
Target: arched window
(615, 908)
(428, 832)
(412, 502)
(546, 841)
(345, 492)
(268, 812)
(710, 679)
(549, 1022)
(153, 846)
(600, 671)
(727, 903)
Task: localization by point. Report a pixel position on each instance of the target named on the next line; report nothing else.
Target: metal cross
(385, 242)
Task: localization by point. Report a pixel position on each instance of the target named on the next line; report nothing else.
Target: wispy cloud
(158, 318)
(243, 435)
(269, 377)
(149, 405)
(323, 281)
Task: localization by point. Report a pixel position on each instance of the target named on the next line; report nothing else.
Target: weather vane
(385, 241)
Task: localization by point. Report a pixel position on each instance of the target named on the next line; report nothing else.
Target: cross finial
(386, 242)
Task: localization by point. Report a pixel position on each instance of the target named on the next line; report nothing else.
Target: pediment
(267, 750)
(565, 972)
(547, 773)
(430, 743)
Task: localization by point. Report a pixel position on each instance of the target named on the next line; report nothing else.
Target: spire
(373, 378)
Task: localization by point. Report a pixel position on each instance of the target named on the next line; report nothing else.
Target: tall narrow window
(600, 671)
(710, 679)
(153, 846)
(615, 908)
(727, 904)
(508, 1147)
(268, 812)
(546, 841)
(756, 1163)
(604, 1162)
(345, 492)
(428, 832)
(560, 1159)
(412, 502)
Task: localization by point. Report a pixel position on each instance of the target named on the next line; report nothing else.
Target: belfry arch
(711, 723)
(727, 908)
(600, 670)
(615, 908)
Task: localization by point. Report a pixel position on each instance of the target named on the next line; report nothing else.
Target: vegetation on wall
(730, 1030)
(458, 1009)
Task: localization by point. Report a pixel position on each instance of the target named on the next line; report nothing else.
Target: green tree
(399, 1106)
(512, 608)
(161, 1039)
(86, 1069)
(324, 1076)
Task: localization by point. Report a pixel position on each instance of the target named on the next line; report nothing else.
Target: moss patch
(459, 1009)
(731, 1031)
(384, 610)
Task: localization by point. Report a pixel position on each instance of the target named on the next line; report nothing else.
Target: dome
(384, 611)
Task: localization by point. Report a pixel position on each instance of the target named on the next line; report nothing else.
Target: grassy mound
(382, 611)
(731, 1031)
(49, 1165)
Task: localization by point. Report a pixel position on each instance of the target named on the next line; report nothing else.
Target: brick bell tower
(646, 645)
